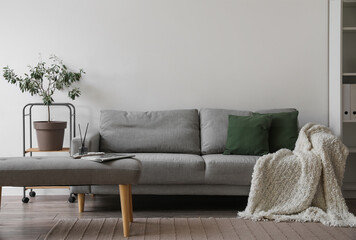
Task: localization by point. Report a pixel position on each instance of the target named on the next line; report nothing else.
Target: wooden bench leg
(130, 202)
(81, 201)
(125, 208)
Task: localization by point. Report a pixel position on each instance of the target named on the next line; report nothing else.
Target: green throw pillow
(284, 130)
(248, 135)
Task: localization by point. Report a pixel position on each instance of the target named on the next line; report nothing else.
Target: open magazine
(103, 157)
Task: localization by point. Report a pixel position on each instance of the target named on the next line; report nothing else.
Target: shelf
(349, 78)
(349, 3)
(37, 150)
(349, 29)
(349, 121)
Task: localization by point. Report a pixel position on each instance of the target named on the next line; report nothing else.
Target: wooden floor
(34, 219)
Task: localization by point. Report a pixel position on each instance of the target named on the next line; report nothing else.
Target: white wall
(165, 54)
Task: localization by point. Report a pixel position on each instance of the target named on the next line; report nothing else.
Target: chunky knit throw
(304, 184)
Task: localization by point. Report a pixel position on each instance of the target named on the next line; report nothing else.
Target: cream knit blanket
(303, 185)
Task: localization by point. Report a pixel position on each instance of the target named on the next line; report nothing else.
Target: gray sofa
(180, 150)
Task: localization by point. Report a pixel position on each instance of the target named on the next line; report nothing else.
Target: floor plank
(318, 231)
(289, 232)
(272, 230)
(35, 219)
(336, 233)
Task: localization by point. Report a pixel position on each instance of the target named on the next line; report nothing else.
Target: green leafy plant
(44, 80)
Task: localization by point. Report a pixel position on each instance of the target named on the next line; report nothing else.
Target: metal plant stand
(27, 113)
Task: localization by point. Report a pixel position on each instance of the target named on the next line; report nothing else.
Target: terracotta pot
(50, 135)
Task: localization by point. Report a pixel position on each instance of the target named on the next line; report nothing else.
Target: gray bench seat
(65, 171)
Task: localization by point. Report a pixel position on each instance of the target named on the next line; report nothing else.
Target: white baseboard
(18, 191)
(349, 191)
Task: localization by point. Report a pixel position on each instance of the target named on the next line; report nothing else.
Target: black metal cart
(27, 113)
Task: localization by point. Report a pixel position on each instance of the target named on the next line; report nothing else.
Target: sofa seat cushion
(175, 131)
(229, 169)
(166, 168)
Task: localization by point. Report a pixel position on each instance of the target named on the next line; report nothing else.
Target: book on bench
(102, 157)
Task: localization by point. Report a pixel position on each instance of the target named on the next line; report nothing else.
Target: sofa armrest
(91, 142)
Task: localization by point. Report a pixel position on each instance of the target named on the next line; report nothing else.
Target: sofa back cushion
(276, 110)
(213, 128)
(175, 131)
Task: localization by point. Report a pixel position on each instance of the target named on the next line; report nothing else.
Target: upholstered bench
(66, 171)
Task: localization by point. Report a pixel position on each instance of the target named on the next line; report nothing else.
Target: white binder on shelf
(353, 101)
(346, 103)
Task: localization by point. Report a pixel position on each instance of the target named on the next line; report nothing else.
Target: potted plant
(43, 80)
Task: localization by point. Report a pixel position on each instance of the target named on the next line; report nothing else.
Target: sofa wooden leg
(130, 202)
(81, 201)
(125, 208)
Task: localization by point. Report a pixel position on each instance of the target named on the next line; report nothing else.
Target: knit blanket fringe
(303, 185)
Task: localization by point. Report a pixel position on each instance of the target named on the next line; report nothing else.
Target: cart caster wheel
(25, 200)
(71, 199)
(32, 194)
